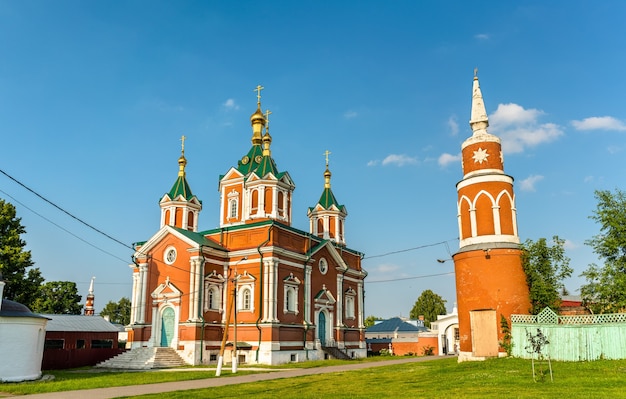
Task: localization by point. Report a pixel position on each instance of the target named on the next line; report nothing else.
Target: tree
(605, 291)
(58, 297)
(370, 321)
(118, 312)
(22, 285)
(428, 305)
(546, 267)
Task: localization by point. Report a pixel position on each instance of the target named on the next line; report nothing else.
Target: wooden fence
(571, 338)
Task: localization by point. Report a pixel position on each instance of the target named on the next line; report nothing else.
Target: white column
(275, 202)
(261, 209)
(143, 278)
(307, 294)
(473, 222)
(497, 227)
(193, 288)
(360, 303)
(339, 300)
(222, 200)
(134, 299)
(272, 290)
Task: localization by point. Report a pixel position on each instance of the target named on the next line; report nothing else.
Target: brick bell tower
(490, 280)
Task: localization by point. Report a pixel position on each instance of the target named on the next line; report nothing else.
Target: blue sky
(94, 97)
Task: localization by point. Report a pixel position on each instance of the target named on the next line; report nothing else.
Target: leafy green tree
(546, 267)
(428, 305)
(605, 291)
(370, 321)
(22, 281)
(58, 297)
(118, 312)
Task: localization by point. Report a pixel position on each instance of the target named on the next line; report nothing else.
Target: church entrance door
(321, 325)
(167, 327)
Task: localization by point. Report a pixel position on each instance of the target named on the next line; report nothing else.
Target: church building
(490, 280)
(266, 291)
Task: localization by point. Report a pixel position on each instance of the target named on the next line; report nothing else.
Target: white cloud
(453, 125)
(613, 149)
(350, 114)
(519, 128)
(386, 268)
(481, 36)
(230, 104)
(599, 123)
(528, 184)
(445, 159)
(399, 160)
(569, 244)
(373, 162)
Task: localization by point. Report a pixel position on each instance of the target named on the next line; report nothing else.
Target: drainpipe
(201, 306)
(269, 235)
(306, 323)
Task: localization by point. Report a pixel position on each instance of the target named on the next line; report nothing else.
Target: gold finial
(475, 73)
(182, 139)
(258, 93)
(326, 154)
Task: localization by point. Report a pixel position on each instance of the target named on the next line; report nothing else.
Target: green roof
(249, 162)
(198, 238)
(267, 165)
(181, 187)
(328, 199)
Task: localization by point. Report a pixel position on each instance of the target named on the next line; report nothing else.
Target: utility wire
(411, 249)
(64, 211)
(410, 278)
(64, 229)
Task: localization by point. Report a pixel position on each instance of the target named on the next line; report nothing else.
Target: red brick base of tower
(490, 283)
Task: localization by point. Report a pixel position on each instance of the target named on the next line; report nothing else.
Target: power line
(410, 278)
(64, 229)
(412, 249)
(64, 211)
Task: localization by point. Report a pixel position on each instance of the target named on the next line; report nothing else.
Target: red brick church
(255, 284)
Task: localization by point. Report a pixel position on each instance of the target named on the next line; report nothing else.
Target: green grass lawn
(497, 378)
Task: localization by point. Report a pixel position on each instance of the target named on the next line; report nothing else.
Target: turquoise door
(321, 326)
(167, 327)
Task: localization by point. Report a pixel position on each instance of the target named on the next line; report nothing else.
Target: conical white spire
(479, 120)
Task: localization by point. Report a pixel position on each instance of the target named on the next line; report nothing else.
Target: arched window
(213, 298)
(290, 300)
(246, 298)
(349, 307)
(190, 221)
(232, 208)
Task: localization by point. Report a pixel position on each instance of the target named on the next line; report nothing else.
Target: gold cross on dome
(182, 139)
(258, 93)
(326, 154)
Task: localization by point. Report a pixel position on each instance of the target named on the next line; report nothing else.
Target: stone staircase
(144, 359)
(335, 352)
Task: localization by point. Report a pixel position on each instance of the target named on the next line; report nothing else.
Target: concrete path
(134, 390)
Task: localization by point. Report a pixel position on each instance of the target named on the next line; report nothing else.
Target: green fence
(571, 338)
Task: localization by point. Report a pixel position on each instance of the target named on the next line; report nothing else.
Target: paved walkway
(133, 390)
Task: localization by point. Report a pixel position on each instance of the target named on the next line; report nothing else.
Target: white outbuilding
(22, 336)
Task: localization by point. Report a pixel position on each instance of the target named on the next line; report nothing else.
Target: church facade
(255, 287)
(490, 280)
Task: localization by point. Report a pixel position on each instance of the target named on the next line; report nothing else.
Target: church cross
(258, 93)
(182, 139)
(326, 154)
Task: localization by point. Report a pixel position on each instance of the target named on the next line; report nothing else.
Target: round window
(170, 255)
(323, 266)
